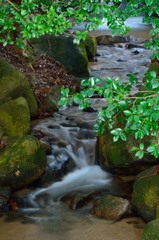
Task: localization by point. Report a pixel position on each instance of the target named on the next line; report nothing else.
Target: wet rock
(130, 46)
(145, 196)
(62, 48)
(22, 162)
(15, 117)
(118, 158)
(109, 40)
(111, 208)
(5, 194)
(46, 145)
(90, 109)
(13, 84)
(54, 171)
(91, 46)
(78, 200)
(151, 230)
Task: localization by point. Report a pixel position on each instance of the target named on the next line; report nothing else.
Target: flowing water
(43, 216)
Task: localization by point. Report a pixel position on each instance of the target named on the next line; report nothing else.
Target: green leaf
(151, 149)
(63, 102)
(134, 148)
(141, 146)
(149, 2)
(115, 138)
(127, 113)
(85, 82)
(123, 136)
(116, 131)
(65, 92)
(139, 154)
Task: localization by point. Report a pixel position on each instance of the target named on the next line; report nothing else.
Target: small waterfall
(70, 141)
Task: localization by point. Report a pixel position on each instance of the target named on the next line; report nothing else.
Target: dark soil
(42, 72)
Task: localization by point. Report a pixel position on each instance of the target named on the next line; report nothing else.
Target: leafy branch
(137, 114)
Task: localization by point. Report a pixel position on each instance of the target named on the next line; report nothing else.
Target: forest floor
(42, 72)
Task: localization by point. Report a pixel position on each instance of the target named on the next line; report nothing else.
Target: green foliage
(138, 114)
(27, 19)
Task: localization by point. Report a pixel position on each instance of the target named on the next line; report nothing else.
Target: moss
(14, 84)
(118, 158)
(21, 162)
(91, 46)
(110, 207)
(15, 117)
(29, 148)
(151, 230)
(145, 196)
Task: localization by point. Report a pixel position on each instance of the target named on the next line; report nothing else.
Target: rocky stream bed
(71, 157)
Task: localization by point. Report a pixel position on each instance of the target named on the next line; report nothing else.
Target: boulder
(111, 207)
(145, 196)
(13, 84)
(5, 196)
(118, 158)
(14, 117)
(109, 40)
(91, 46)
(72, 56)
(22, 161)
(151, 230)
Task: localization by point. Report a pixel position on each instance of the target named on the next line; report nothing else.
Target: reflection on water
(68, 225)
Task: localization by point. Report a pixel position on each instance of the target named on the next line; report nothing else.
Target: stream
(43, 216)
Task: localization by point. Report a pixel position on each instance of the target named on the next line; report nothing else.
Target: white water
(78, 148)
(86, 178)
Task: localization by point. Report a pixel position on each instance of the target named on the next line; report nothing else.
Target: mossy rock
(72, 56)
(111, 207)
(91, 46)
(22, 161)
(14, 117)
(151, 230)
(145, 196)
(118, 158)
(13, 84)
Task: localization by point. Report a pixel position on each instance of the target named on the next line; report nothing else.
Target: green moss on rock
(22, 162)
(111, 207)
(91, 46)
(13, 84)
(151, 230)
(72, 56)
(15, 117)
(145, 196)
(118, 158)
